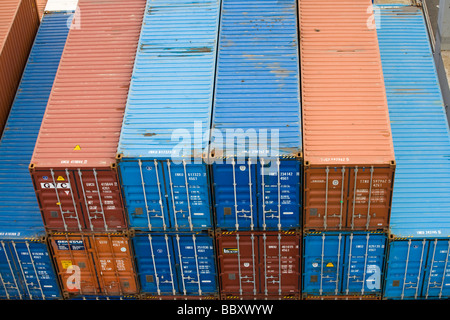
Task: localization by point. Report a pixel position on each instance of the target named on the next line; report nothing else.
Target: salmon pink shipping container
(73, 165)
(94, 264)
(348, 150)
(259, 265)
(19, 23)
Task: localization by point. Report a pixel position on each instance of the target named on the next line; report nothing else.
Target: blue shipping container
(343, 264)
(256, 140)
(176, 264)
(164, 179)
(416, 267)
(26, 271)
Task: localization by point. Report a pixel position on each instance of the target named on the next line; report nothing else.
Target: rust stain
(200, 49)
(150, 134)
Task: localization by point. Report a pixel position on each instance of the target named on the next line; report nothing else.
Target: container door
(36, 270)
(194, 254)
(369, 201)
(101, 200)
(114, 265)
(323, 264)
(280, 264)
(364, 262)
(188, 196)
(58, 198)
(11, 284)
(437, 274)
(235, 195)
(279, 193)
(143, 192)
(155, 260)
(238, 259)
(325, 198)
(74, 265)
(405, 268)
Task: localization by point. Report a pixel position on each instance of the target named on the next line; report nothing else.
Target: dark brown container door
(238, 263)
(58, 198)
(114, 263)
(101, 199)
(279, 256)
(325, 198)
(72, 259)
(370, 192)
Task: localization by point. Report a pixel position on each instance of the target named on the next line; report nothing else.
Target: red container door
(370, 192)
(114, 262)
(58, 198)
(101, 199)
(325, 196)
(238, 263)
(279, 256)
(74, 265)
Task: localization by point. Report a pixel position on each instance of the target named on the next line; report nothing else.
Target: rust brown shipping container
(260, 297)
(19, 23)
(73, 165)
(348, 149)
(94, 264)
(40, 5)
(254, 265)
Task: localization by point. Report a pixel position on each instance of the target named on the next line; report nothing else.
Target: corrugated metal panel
(177, 264)
(19, 22)
(347, 140)
(171, 90)
(26, 271)
(257, 95)
(73, 165)
(343, 264)
(19, 210)
(421, 198)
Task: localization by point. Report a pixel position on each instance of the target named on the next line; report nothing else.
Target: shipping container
(26, 270)
(160, 154)
(99, 297)
(256, 141)
(417, 265)
(257, 264)
(163, 297)
(94, 264)
(73, 165)
(19, 23)
(349, 160)
(261, 297)
(40, 6)
(176, 264)
(343, 263)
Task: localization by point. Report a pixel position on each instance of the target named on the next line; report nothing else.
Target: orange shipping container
(94, 264)
(40, 4)
(18, 26)
(348, 148)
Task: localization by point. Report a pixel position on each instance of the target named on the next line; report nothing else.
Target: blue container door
(437, 275)
(323, 264)
(279, 194)
(144, 195)
(10, 279)
(188, 196)
(36, 269)
(405, 267)
(155, 261)
(196, 260)
(364, 263)
(235, 195)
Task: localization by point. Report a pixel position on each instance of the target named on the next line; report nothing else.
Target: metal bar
(342, 198)
(370, 196)
(444, 271)
(366, 256)
(12, 272)
(239, 264)
(21, 270)
(35, 271)
(354, 197)
(158, 289)
(406, 269)
(85, 200)
(145, 195)
(336, 290)
(188, 196)
(349, 263)
(233, 164)
(73, 198)
(111, 248)
(279, 264)
(251, 194)
(253, 262)
(431, 269)
(263, 195)
(172, 194)
(100, 199)
(321, 265)
(265, 264)
(196, 264)
(327, 171)
(181, 263)
(170, 265)
(420, 269)
(93, 245)
(58, 199)
(279, 194)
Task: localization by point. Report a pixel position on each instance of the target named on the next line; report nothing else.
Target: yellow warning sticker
(330, 265)
(66, 264)
(77, 147)
(60, 178)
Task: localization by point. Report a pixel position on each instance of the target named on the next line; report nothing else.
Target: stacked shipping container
(73, 165)
(256, 151)
(349, 157)
(164, 179)
(417, 265)
(26, 269)
(19, 22)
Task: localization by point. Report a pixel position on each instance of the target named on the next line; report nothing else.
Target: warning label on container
(228, 250)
